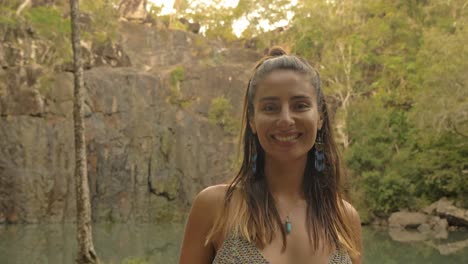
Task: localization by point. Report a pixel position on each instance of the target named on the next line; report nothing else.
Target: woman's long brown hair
(249, 208)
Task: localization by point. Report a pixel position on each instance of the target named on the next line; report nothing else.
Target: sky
(238, 26)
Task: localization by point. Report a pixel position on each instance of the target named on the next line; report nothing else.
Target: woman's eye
(302, 106)
(268, 108)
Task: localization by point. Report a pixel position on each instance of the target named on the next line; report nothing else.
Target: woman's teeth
(285, 139)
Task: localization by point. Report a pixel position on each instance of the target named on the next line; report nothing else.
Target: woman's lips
(285, 138)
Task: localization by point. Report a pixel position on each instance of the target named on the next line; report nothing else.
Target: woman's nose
(285, 118)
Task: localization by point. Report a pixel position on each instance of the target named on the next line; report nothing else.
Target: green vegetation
(102, 20)
(48, 21)
(177, 75)
(8, 18)
(176, 96)
(50, 25)
(220, 113)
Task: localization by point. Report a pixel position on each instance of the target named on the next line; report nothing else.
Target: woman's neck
(285, 178)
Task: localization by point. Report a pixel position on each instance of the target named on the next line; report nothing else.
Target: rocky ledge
(433, 222)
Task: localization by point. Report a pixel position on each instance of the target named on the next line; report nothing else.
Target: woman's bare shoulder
(350, 211)
(206, 205)
(218, 189)
(213, 194)
(209, 201)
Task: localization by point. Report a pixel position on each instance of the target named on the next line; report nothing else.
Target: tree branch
(25, 4)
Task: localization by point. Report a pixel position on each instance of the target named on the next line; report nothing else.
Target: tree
(443, 65)
(133, 9)
(217, 18)
(86, 253)
(328, 35)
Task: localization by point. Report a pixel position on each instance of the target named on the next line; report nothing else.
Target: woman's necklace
(287, 223)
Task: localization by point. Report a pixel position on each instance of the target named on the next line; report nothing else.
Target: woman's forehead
(283, 76)
(285, 83)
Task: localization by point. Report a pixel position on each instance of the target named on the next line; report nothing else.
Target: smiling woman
(287, 118)
(285, 205)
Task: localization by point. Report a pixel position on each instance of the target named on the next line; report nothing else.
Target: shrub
(220, 113)
(177, 75)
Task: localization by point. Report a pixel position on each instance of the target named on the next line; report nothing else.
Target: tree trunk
(346, 56)
(86, 253)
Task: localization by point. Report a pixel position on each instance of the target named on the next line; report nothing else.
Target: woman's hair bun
(276, 51)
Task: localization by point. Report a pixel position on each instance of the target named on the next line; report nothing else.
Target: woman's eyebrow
(274, 98)
(269, 98)
(300, 97)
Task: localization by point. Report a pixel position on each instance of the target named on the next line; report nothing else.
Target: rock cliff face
(150, 144)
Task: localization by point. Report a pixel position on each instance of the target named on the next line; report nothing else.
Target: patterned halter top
(236, 250)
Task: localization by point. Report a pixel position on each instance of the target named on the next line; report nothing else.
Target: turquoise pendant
(288, 225)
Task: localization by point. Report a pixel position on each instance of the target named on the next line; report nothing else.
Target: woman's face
(286, 117)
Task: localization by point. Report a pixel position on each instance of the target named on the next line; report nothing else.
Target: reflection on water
(114, 243)
(159, 243)
(379, 248)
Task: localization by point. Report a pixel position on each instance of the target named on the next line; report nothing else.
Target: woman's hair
(249, 208)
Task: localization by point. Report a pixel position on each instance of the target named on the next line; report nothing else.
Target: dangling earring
(319, 153)
(254, 160)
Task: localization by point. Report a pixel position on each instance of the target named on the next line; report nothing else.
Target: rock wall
(147, 154)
